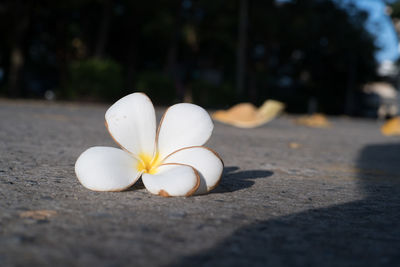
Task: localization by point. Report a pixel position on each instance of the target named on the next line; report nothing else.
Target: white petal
(131, 121)
(172, 180)
(106, 169)
(205, 161)
(183, 125)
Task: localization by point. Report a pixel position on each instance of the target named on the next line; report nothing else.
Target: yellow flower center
(148, 164)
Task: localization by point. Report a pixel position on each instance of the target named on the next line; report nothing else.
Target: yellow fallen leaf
(270, 109)
(315, 120)
(246, 115)
(391, 127)
(38, 214)
(294, 145)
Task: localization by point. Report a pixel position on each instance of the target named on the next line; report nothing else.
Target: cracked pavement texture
(290, 196)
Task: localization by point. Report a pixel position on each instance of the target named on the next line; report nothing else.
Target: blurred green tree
(94, 79)
(309, 51)
(301, 52)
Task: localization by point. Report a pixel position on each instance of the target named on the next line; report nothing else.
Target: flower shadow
(234, 179)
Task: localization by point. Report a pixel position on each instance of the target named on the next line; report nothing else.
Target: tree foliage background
(99, 50)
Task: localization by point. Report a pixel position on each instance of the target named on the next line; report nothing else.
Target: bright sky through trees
(379, 23)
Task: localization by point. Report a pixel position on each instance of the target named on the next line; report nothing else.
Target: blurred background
(330, 56)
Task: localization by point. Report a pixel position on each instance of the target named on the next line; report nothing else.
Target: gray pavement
(332, 201)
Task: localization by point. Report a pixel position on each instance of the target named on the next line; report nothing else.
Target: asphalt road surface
(290, 196)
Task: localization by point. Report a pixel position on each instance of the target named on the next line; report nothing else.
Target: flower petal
(106, 169)
(205, 161)
(172, 180)
(131, 121)
(183, 125)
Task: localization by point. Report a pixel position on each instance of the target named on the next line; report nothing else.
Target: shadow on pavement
(360, 233)
(233, 179)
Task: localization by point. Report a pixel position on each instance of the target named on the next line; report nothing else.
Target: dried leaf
(315, 120)
(391, 127)
(294, 145)
(246, 115)
(38, 214)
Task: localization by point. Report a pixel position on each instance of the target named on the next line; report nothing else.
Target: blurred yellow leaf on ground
(294, 145)
(316, 120)
(246, 115)
(391, 127)
(38, 214)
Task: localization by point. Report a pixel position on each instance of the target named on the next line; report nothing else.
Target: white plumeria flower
(171, 160)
